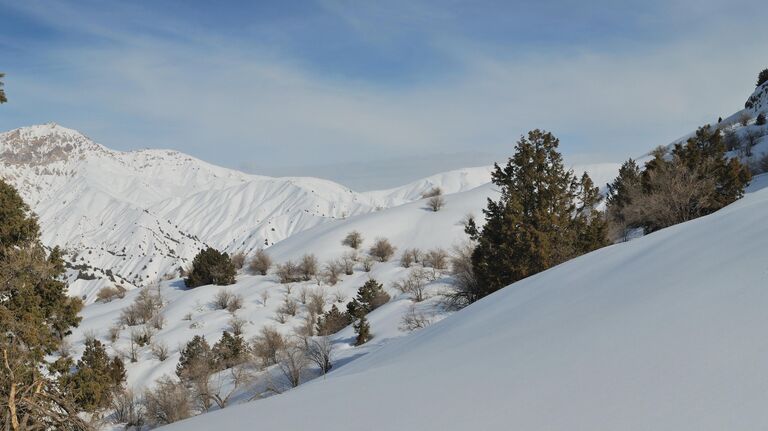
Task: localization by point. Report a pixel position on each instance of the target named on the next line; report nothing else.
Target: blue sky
(314, 87)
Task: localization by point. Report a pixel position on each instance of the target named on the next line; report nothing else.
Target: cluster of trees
(35, 316)
(762, 77)
(545, 216)
(211, 266)
(692, 180)
(208, 376)
(434, 197)
(370, 296)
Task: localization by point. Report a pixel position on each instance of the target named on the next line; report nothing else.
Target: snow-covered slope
(133, 218)
(407, 226)
(413, 224)
(661, 333)
(142, 214)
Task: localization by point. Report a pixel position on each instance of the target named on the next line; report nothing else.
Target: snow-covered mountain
(136, 216)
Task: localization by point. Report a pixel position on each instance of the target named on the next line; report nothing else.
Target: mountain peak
(44, 144)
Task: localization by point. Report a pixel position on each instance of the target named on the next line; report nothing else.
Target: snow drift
(661, 333)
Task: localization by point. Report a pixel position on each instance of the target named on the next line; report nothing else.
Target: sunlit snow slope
(662, 333)
(136, 216)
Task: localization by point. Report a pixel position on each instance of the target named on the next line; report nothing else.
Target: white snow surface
(143, 214)
(133, 218)
(661, 333)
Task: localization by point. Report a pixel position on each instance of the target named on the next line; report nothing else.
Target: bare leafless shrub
(414, 284)
(142, 336)
(222, 298)
(316, 302)
(436, 203)
(110, 293)
(133, 347)
(680, 194)
(751, 138)
(732, 140)
(113, 333)
(146, 305)
(413, 320)
(159, 350)
(288, 272)
(267, 344)
(434, 191)
(339, 296)
(353, 239)
(187, 316)
(332, 273)
(744, 118)
(292, 361)
(319, 350)
(289, 306)
(170, 401)
(382, 250)
(466, 287)
(221, 386)
(235, 303)
(128, 409)
(308, 267)
(236, 325)
(157, 321)
(238, 260)
(347, 262)
(367, 264)
(406, 259)
(260, 262)
(437, 259)
(280, 317)
(303, 294)
(760, 166)
(264, 296)
(307, 329)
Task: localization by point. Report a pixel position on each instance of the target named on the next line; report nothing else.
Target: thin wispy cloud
(135, 77)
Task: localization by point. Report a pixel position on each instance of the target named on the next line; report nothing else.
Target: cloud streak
(229, 102)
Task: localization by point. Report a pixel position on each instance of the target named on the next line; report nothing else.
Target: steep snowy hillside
(660, 333)
(189, 312)
(133, 217)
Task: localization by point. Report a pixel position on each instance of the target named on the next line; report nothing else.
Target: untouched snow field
(662, 333)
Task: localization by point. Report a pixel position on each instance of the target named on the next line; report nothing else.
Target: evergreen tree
(229, 351)
(704, 155)
(363, 331)
(762, 77)
(590, 224)
(196, 353)
(760, 120)
(2, 92)
(35, 315)
(97, 377)
(371, 296)
(536, 223)
(619, 196)
(332, 321)
(211, 267)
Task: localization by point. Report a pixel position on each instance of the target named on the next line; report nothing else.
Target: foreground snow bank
(663, 333)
